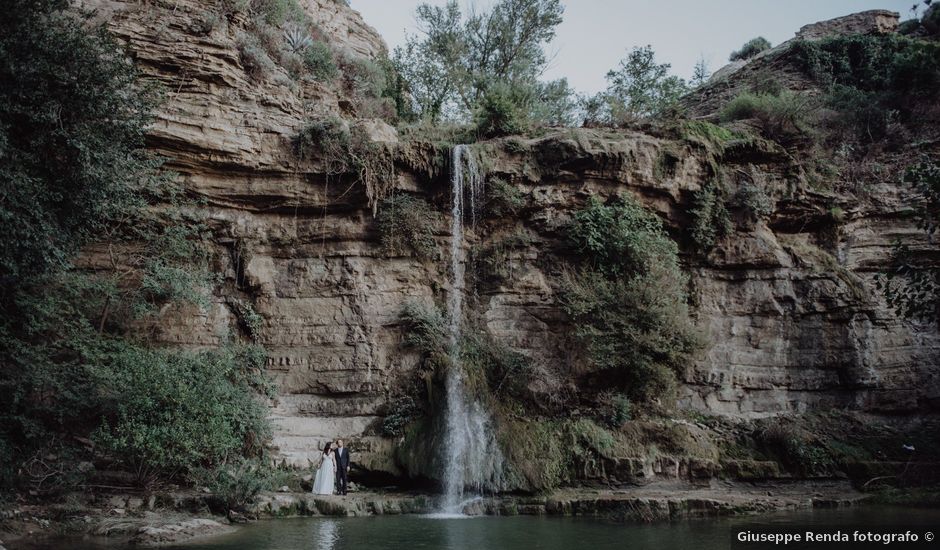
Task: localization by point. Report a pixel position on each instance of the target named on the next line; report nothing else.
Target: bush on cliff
(502, 112)
(710, 218)
(318, 58)
(911, 286)
(782, 117)
(627, 300)
(343, 150)
(873, 81)
(407, 225)
(750, 48)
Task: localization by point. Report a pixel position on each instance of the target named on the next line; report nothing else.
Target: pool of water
(526, 532)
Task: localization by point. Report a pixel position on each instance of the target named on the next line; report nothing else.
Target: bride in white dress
(326, 472)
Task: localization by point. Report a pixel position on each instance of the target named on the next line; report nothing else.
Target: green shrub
(327, 138)
(74, 171)
(795, 449)
(248, 319)
(73, 116)
(767, 85)
(872, 80)
(407, 225)
(710, 218)
(401, 412)
(362, 77)
(892, 63)
(622, 237)
(7, 464)
(318, 59)
(501, 113)
(750, 48)
(911, 288)
(930, 20)
(236, 482)
(281, 34)
(614, 409)
(426, 328)
(170, 413)
(753, 201)
(627, 302)
(377, 107)
(706, 133)
(909, 26)
(860, 112)
(276, 12)
(344, 150)
(503, 198)
(495, 370)
(538, 453)
(255, 60)
(781, 116)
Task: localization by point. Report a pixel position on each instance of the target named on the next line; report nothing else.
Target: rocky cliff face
(788, 303)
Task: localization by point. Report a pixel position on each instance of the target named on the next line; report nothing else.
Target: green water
(524, 532)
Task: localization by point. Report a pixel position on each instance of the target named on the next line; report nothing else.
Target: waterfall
(470, 451)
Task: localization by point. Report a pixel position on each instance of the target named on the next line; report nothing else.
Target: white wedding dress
(326, 476)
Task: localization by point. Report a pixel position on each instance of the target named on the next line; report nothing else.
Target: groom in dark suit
(342, 467)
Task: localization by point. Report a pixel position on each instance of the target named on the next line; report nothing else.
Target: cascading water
(469, 452)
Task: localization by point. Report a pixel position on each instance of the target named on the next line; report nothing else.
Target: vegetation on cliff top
(485, 64)
(750, 48)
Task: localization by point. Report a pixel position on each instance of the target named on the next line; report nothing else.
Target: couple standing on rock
(333, 470)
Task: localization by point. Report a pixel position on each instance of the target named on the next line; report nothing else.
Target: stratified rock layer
(792, 318)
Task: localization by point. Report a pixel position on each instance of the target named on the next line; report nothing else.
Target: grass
(707, 134)
(781, 117)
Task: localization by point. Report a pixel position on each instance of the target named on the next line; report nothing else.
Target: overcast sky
(596, 34)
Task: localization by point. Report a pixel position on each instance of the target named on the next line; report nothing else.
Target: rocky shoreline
(658, 502)
(185, 517)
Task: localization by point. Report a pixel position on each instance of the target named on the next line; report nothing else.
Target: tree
(638, 88)
(429, 66)
(700, 73)
(72, 122)
(455, 61)
(74, 172)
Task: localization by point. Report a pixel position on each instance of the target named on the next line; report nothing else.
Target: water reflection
(518, 533)
(514, 533)
(327, 533)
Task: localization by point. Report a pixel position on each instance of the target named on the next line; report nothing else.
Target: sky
(596, 34)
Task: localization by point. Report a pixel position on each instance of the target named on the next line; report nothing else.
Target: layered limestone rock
(791, 313)
(794, 320)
